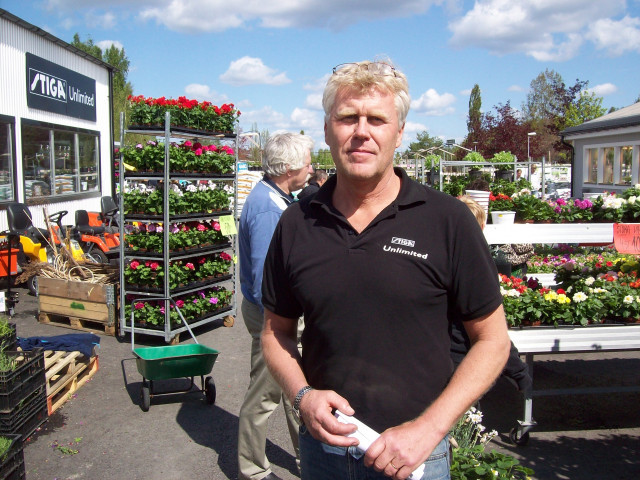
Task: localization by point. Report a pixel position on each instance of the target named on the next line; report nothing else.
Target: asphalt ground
(577, 437)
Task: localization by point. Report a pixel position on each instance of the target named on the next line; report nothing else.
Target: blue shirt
(260, 215)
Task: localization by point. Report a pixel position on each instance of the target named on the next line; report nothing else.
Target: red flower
(561, 291)
(139, 305)
(134, 264)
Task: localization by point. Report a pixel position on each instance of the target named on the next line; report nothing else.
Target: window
(7, 186)
(626, 158)
(592, 165)
(607, 174)
(58, 161)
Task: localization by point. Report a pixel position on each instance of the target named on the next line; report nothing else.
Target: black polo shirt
(377, 305)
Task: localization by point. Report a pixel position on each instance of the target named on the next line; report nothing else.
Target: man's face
(363, 132)
(297, 178)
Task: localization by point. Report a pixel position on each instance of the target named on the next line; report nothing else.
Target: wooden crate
(77, 305)
(65, 373)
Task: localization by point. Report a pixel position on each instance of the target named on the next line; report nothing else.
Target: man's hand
(402, 449)
(316, 410)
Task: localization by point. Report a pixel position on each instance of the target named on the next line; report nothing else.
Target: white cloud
(204, 92)
(251, 71)
(303, 118)
(314, 101)
(466, 92)
(195, 16)
(433, 104)
(104, 21)
(107, 44)
(266, 117)
(318, 84)
(515, 88)
(547, 30)
(616, 37)
(603, 89)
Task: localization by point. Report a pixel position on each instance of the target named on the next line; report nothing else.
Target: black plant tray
(176, 217)
(188, 251)
(27, 417)
(9, 401)
(31, 365)
(181, 174)
(12, 464)
(187, 130)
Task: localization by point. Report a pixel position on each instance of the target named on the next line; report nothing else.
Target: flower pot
(503, 217)
(481, 197)
(504, 175)
(475, 173)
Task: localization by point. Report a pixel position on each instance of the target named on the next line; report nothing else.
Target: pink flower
(201, 227)
(179, 303)
(154, 266)
(202, 260)
(190, 266)
(198, 152)
(187, 143)
(134, 264)
(225, 256)
(216, 226)
(159, 229)
(213, 300)
(175, 229)
(139, 306)
(162, 310)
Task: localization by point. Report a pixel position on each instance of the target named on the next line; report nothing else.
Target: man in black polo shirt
(379, 266)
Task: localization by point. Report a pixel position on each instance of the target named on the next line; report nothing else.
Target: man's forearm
(280, 350)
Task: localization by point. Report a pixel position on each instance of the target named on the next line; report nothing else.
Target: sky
(272, 58)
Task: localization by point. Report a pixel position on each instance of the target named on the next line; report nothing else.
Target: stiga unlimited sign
(57, 89)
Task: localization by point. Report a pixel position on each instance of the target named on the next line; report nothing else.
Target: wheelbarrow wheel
(145, 397)
(517, 438)
(210, 390)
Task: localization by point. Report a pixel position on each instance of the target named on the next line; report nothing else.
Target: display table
(563, 339)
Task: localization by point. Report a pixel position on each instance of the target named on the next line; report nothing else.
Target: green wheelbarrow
(174, 361)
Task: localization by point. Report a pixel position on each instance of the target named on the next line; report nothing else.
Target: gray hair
(285, 151)
(361, 79)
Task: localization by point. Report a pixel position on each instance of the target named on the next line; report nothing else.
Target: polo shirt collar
(287, 197)
(411, 192)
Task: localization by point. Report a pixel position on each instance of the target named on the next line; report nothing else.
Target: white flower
(192, 188)
(513, 293)
(628, 299)
(475, 417)
(631, 200)
(599, 290)
(589, 281)
(579, 297)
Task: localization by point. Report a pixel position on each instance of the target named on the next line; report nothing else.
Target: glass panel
(6, 161)
(36, 161)
(65, 172)
(626, 154)
(592, 165)
(607, 176)
(88, 155)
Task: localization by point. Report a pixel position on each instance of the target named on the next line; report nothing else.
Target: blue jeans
(319, 461)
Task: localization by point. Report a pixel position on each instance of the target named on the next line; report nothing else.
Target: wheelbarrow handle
(158, 298)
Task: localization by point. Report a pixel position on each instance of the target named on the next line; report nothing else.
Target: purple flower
(213, 300)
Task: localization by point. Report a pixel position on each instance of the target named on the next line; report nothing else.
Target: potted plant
(474, 172)
(503, 169)
(7, 334)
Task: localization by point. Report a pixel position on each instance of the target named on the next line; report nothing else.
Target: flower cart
(177, 216)
(562, 338)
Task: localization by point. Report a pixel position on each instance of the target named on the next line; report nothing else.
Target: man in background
(286, 162)
(315, 182)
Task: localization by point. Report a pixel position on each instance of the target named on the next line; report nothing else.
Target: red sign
(626, 237)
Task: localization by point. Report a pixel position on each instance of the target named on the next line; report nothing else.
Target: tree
(424, 141)
(504, 131)
(586, 107)
(474, 120)
(117, 58)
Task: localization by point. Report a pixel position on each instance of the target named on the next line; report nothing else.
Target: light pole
(529, 135)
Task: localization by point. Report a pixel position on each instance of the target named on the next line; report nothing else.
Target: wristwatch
(296, 402)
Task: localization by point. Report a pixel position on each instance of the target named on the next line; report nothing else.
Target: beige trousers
(262, 398)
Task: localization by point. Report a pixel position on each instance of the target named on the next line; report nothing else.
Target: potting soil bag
(72, 342)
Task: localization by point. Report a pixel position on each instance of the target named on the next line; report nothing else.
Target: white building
(56, 139)
(606, 152)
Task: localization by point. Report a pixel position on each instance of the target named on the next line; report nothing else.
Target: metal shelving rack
(225, 316)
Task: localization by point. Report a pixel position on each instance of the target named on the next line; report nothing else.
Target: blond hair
(361, 78)
(475, 208)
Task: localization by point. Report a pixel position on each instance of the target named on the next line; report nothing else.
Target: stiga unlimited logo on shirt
(404, 243)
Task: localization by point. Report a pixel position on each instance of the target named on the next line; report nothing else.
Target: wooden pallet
(65, 373)
(84, 324)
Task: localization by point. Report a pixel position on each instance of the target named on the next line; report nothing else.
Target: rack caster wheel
(210, 390)
(517, 438)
